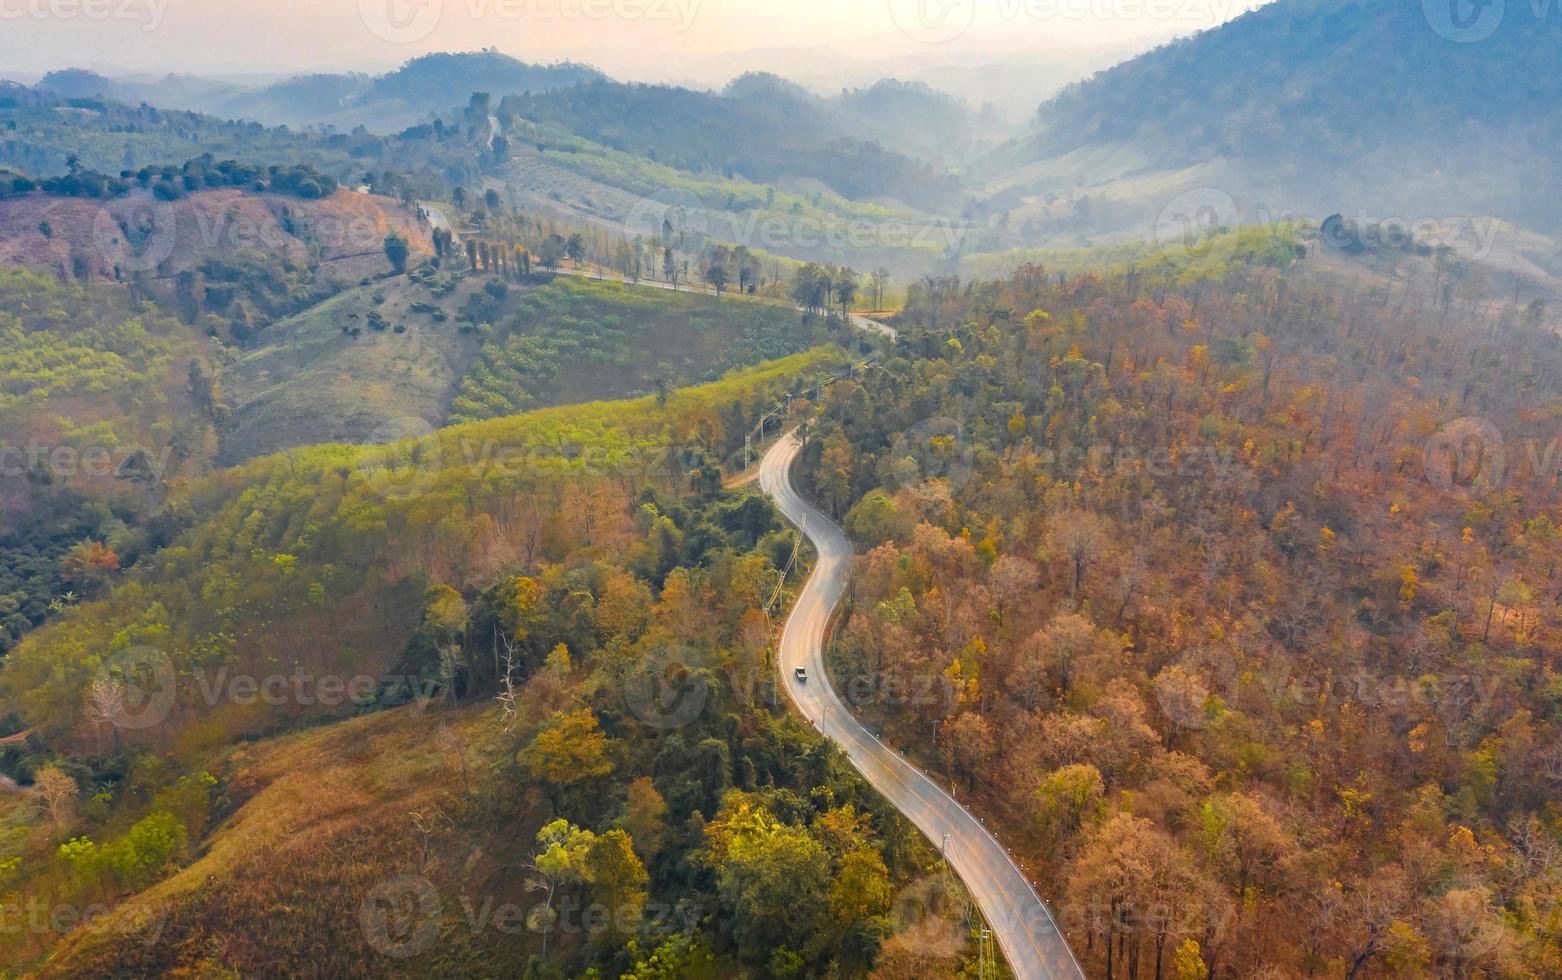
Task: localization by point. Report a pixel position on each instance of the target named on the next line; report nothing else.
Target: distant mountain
(911, 116)
(295, 101)
(383, 104)
(763, 128)
(78, 83)
(892, 140)
(1385, 104)
(437, 81)
(1015, 84)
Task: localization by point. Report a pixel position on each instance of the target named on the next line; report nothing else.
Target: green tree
(773, 879)
(645, 817)
(861, 889)
(670, 266)
(397, 250)
(552, 253)
(717, 268)
(618, 882)
(560, 860)
(570, 751)
(844, 288)
(1068, 799)
(683, 957)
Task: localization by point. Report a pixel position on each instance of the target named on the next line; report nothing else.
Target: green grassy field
(410, 354)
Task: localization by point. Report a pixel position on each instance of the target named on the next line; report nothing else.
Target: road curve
(1029, 938)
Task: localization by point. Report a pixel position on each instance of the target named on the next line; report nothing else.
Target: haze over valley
(730, 489)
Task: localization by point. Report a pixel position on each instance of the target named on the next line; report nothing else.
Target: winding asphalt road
(1031, 941)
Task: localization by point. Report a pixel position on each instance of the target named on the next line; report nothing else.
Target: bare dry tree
(1079, 537)
(506, 697)
(449, 665)
(425, 826)
(105, 705)
(59, 791)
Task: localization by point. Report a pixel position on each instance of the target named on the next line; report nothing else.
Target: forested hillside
(760, 127)
(1235, 611)
(261, 248)
(569, 562)
(41, 134)
(831, 190)
(100, 407)
(1348, 103)
(392, 580)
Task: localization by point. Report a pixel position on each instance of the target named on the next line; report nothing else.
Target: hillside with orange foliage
(1236, 613)
(343, 233)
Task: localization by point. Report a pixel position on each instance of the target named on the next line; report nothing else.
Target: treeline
(170, 182)
(513, 243)
(44, 134)
(820, 288)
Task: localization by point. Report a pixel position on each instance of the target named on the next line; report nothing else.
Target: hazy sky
(643, 39)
